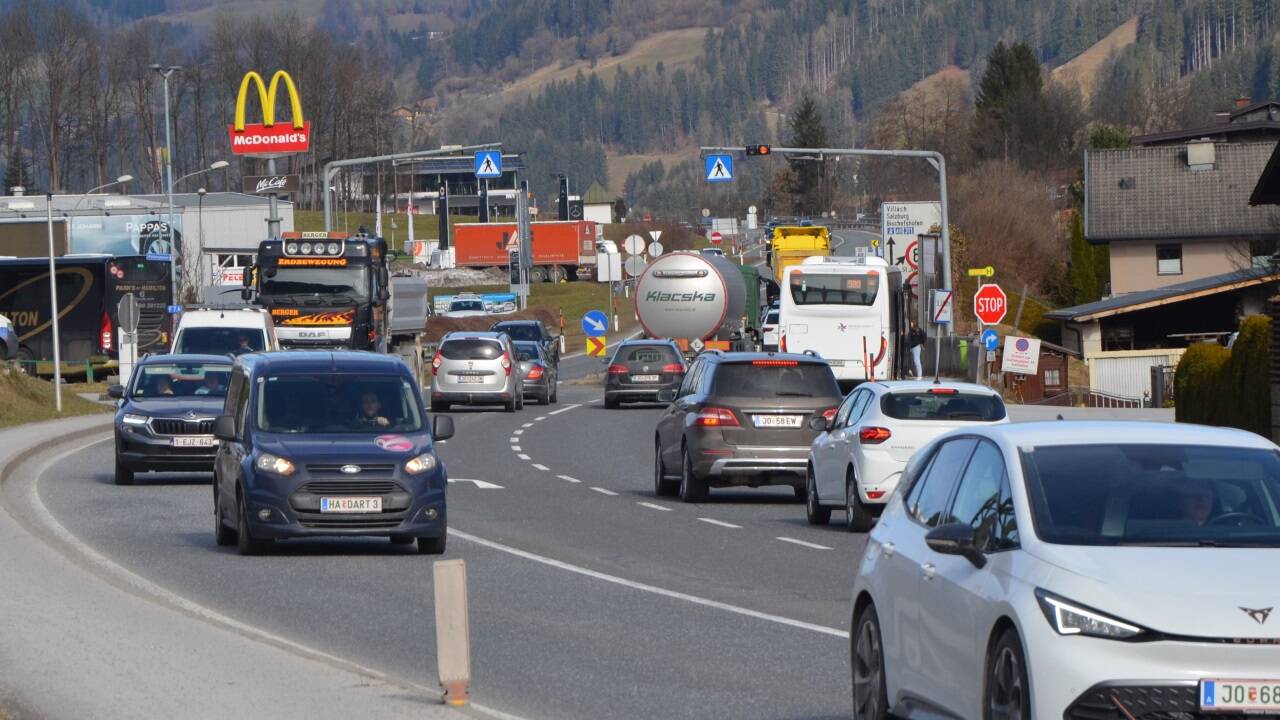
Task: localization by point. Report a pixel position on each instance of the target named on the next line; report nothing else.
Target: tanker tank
(689, 296)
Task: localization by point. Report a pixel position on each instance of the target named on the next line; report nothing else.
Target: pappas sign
(266, 138)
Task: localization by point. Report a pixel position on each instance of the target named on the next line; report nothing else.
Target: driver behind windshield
(370, 413)
(1195, 499)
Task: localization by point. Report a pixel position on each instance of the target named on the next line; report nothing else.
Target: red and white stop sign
(990, 304)
(716, 238)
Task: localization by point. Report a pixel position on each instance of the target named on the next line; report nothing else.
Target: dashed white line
(540, 419)
(543, 468)
(721, 523)
(802, 543)
(514, 440)
(522, 456)
(566, 408)
(653, 506)
(566, 478)
(527, 425)
(603, 491)
(517, 448)
(518, 432)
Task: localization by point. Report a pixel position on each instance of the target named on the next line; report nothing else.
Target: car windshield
(170, 380)
(471, 349)
(809, 289)
(458, 305)
(337, 403)
(219, 340)
(942, 404)
(528, 351)
(1154, 495)
(776, 378)
(323, 280)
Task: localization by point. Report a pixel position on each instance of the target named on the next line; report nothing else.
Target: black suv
(531, 331)
(641, 369)
(742, 419)
(319, 443)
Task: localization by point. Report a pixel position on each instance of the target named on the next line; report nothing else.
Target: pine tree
(1085, 287)
(810, 189)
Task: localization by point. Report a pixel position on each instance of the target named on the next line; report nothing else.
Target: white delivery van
(233, 331)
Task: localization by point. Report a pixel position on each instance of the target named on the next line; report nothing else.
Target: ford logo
(350, 469)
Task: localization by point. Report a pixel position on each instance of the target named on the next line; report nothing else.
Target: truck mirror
(246, 278)
(246, 294)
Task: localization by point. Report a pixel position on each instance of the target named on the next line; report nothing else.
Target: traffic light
(759, 149)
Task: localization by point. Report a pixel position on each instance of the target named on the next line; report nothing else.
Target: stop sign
(716, 238)
(990, 304)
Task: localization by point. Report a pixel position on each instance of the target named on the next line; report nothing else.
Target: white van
(233, 331)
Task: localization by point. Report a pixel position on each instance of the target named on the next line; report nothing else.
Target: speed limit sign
(912, 255)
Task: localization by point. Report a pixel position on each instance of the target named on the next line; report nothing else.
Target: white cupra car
(1075, 570)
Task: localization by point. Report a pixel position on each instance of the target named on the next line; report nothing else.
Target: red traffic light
(758, 149)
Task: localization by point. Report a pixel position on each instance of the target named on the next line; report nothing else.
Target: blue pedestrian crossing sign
(719, 168)
(990, 339)
(489, 164)
(595, 323)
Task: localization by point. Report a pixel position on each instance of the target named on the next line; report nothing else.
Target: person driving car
(1195, 498)
(370, 412)
(211, 386)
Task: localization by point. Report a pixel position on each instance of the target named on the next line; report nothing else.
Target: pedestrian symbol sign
(489, 164)
(596, 347)
(719, 168)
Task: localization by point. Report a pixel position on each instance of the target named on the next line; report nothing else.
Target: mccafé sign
(267, 138)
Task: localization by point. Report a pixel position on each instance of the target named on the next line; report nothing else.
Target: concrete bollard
(453, 634)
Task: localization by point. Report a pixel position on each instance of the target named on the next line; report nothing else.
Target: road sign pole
(53, 305)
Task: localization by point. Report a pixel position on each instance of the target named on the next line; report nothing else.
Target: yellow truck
(791, 244)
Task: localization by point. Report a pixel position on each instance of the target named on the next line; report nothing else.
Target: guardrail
(1084, 397)
(69, 369)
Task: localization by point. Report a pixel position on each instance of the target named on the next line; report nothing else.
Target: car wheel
(432, 545)
(510, 406)
(693, 489)
(610, 403)
(246, 543)
(124, 474)
(1007, 695)
(858, 518)
(555, 393)
(866, 660)
(662, 485)
(222, 535)
(799, 492)
(439, 407)
(814, 512)
(402, 539)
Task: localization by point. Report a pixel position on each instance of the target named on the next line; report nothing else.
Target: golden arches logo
(267, 98)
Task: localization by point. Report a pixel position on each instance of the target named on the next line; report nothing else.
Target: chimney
(1243, 101)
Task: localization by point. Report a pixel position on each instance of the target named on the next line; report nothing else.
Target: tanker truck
(699, 301)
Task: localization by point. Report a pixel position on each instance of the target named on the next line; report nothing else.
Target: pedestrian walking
(915, 342)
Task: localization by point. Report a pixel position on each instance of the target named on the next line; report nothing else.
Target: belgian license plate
(644, 378)
(472, 379)
(778, 421)
(1240, 695)
(350, 504)
(196, 441)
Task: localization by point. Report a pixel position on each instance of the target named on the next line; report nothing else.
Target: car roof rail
(811, 353)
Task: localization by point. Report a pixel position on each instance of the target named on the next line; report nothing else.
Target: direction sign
(716, 238)
(489, 164)
(990, 339)
(596, 347)
(719, 168)
(990, 304)
(912, 255)
(634, 244)
(634, 265)
(655, 249)
(595, 323)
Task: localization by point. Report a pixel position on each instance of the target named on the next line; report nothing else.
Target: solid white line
(482, 484)
(522, 456)
(517, 433)
(543, 468)
(527, 425)
(516, 448)
(569, 479)
(802, 543)
(705, 602)
(566, 408)
(721, 523)
(653, 506)
(603, 491)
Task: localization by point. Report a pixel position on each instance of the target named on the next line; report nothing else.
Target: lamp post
(165, 72)
(215, 165)
(200, 236)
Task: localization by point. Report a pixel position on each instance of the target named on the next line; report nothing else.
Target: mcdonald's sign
(267, 138)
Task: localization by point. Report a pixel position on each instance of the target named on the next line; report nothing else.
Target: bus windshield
(808, 289)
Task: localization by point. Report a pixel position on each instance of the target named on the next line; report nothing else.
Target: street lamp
(118, 181)
(216, 165)
(165, 72)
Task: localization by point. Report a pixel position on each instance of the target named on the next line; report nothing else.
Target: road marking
(522, 456)
(517, 448)
(653, 506)
(540, 419)
(673, 594)
(518, 432)
(482, 484)
(514, 440)
(721, 523)
(569, 479)
(802, 543)
(566, 408)
(603, 491)
(527, 425)
(543, 468)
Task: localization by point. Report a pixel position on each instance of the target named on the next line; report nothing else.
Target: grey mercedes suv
(741, 419)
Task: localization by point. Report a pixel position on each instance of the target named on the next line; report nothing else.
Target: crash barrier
(70, 370)
(1228, 387)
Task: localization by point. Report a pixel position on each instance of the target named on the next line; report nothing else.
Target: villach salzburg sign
(267, 138)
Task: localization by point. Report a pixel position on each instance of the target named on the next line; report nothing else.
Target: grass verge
(574, 299)
(24, 399)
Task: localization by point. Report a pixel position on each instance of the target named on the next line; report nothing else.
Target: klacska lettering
(659, 296)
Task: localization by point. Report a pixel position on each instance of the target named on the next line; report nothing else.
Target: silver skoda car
(476, 368)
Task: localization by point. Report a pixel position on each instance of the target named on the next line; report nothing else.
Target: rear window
(648, 354)
(219, 341)
(521, 332)
(471, 349)
(926, 405)
(528, 351)
(809, 289)
(778, 378)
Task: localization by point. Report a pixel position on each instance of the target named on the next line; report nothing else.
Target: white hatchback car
(856, 463)
(1075, 570)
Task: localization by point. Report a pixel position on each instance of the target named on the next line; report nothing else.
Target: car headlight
(270, 463)
(423, 463)
(1069, 618)
(134, 419)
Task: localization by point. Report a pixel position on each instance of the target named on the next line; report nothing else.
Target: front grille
(1173, 701)
(370, 470)
(178, 426)
(339, 521)
(350, 487)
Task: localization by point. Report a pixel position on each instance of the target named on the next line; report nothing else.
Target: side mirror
(819, 423)
(666, 396)
(246, 279)
(956, 539)
(224, 427)
(115, 391)
(441, 427)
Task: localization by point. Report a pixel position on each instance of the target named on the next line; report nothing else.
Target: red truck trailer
(561, 249)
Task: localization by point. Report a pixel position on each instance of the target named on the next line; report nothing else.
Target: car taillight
(776, 363)
(106, 332)
(535, 373)
(673, 368)
(943, 391)
(716, 417)
(618, 370)
(871, 435)
(435, 364)
(506, 363)
(829, 414)
(875, 494)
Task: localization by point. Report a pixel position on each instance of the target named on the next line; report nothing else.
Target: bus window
(807, 289)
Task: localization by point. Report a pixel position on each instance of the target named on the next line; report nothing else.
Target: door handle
(889, 548)
(928, 570)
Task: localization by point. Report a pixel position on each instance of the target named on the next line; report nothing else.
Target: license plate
(1239, 695)
(779, 421)
(472, 379)
(836, 363)
(198, 441)
(350, 504)
(644, 378)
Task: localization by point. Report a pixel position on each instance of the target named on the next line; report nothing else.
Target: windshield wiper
(1201, 542)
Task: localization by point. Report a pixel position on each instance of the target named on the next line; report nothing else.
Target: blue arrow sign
(489, 164)
(990, 339)
(595, 323)
(719, 168)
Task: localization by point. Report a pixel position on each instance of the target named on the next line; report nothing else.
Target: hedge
(1197, 387)
(1217, 386)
